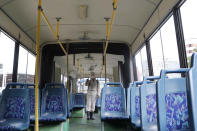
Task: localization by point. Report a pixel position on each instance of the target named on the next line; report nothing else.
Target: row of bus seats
(165, 103)
(156, 103)
(160, 103)
(18, 105)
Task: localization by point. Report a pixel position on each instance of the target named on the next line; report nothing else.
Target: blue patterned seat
(79, 100)
(135, 103)
(172, 102)
(113, 102)
(32, 101)
(14, 113)
(53, 106)
(148, 103)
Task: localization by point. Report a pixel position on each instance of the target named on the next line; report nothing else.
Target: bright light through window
(6, 60)
(189, 20)
(164, 50)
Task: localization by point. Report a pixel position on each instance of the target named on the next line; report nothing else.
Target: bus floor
(82, 124)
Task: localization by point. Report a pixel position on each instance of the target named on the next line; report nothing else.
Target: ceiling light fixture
(83, 13)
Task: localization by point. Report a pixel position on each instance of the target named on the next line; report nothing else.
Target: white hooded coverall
(93, 93)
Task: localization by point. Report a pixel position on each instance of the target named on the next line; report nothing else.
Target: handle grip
(113, 83)
(54, 84)
(181, 70)
(16, 84)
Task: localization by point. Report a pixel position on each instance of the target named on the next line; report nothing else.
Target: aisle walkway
(82, 124)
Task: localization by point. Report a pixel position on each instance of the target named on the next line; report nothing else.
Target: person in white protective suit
(92, 95)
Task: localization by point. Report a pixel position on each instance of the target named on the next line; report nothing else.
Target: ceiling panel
(130, 18)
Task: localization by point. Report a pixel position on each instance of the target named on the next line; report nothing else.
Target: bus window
(81, 87)
(6, 60)
(144, 61)
(169, 44)
(164, 48)
(139, 66)
(156, 53)
(31, 68)
(26, 66)
(189, 27)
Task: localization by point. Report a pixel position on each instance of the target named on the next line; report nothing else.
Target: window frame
(180, 46)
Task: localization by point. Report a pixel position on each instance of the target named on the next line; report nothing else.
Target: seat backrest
(15, 105)
(79, 100)
(72, 99)
(192, 90)
(172, 102)
(129, 99)
(135, 103)
(113, 102)
(32, 101)
(148, 103)
(54, 101)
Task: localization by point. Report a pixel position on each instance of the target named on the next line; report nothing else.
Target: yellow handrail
(107, 30)
(56, 35)
(37, 65)
(105, 68)
(111, 22)
(68, 82)
(58, 27)
(108, 34)
(53, 32)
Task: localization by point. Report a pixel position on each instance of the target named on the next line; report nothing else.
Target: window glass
(26, 66)
(31, 68)
(81, 84)
(6, 60)
(171, 58)
(22, 65)
(156, 53)
(164, 49)
(144, 61)
(189, 26)
(139, 66)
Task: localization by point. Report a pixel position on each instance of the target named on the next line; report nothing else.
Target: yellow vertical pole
(37, 65)
(107, 31)
(110, 27)
(83, 78)
(105, 68)
(67, 68)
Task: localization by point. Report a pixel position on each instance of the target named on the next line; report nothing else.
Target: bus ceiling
(130, 20)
